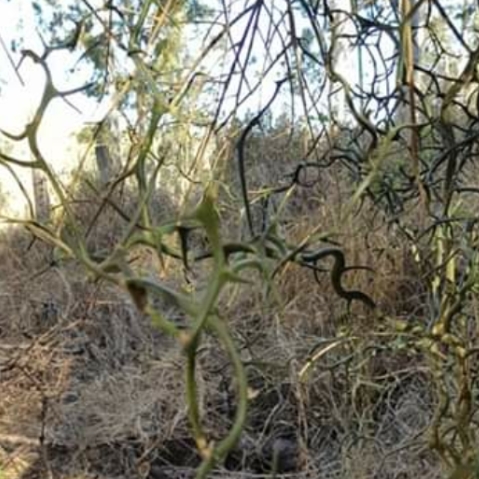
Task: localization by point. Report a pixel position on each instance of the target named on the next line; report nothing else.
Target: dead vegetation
(91, 389)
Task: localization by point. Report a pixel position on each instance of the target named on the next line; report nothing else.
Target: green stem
(221, 450)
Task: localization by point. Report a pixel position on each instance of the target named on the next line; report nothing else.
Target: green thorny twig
(204, 318)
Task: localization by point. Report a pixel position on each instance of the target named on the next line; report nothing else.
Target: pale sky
(20, 101)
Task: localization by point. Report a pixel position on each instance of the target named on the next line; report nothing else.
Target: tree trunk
(41, 196)
(107, 151)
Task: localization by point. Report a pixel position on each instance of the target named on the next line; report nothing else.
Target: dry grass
(90, 389)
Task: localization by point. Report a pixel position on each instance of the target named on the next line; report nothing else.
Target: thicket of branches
(384, 93)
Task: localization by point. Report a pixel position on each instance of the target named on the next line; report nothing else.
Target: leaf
(207, 215)
(37, 9)
(161, 46)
